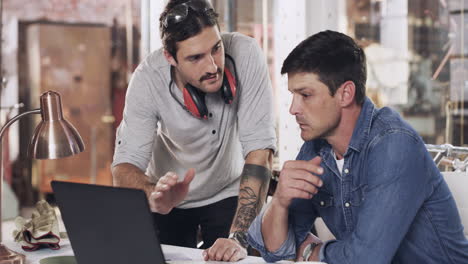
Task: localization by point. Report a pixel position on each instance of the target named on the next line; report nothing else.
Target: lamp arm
(11, 121)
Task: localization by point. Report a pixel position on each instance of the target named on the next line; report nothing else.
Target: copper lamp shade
(54, 136)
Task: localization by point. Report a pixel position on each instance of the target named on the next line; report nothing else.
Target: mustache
(210, 75)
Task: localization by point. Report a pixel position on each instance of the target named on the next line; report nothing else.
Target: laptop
(108, 224)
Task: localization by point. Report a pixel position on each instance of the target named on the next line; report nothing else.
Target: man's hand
(314, 255)
(169, 192)
(225, 249)
(296, 181)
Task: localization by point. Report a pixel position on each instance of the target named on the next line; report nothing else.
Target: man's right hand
(169, 192)
(298, 179)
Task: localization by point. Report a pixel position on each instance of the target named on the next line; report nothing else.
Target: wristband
(240, 237)
(308, 250)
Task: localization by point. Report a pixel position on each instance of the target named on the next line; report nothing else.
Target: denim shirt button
(347, 204)
(346, 171)
(322, 203)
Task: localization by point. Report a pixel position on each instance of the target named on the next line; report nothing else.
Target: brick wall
(67, 11)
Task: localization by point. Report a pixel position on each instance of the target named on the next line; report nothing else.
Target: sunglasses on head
(179, 12)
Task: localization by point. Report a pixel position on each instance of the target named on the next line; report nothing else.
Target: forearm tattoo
(252, 195)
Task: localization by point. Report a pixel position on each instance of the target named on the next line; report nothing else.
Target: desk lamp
(53, 138)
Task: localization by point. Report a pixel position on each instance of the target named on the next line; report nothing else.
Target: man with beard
(364, 170)
(199, 112)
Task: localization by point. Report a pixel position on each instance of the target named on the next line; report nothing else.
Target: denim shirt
(390, 203)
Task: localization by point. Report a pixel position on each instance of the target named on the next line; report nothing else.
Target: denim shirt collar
(363, 126)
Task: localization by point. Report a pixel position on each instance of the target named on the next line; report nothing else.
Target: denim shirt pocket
(358, 195)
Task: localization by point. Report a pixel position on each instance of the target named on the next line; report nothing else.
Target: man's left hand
(225, 249)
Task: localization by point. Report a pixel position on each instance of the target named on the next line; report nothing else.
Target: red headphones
(194, 98)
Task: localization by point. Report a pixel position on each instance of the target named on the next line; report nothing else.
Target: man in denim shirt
(364, 170)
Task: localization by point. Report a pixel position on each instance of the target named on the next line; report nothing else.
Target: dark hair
(334, 57)
(192, 25)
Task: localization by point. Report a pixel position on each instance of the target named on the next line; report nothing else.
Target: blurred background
(87, 50)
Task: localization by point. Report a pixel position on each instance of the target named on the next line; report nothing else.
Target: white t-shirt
(339, 162)
(157, 135)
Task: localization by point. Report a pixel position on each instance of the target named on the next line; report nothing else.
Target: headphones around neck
(194, 98)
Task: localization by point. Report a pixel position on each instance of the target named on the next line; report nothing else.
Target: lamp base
(10, 257)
